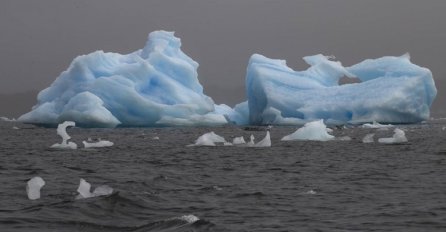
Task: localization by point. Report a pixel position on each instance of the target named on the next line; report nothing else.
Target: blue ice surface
(392, 90)
(154, 86)
(158, 86)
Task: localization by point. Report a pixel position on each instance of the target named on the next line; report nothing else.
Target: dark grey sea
(164, 185)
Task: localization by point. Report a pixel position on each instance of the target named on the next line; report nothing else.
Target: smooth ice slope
(393, 90)
(154, 86)
(33, 187)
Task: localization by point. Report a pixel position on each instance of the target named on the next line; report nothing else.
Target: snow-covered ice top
(154, 86)
(392, 90)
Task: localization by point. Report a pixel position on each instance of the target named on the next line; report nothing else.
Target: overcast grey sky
(39, 39)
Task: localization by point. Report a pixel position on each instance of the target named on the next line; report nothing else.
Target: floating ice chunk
(103, 190)
(398, 137)
(310, 192)
(157, 85)
(62, 132)
(376, 125)
(189, 218)
(316, 130)
(101, 143)
(344, 138)
(251, 141)
(392, 90)
(33, 187)
(238, 140)
(227, 144)
(15, 128)
(209, 139)
(265, 142)
(368, 138)
(84, 190)
(156, 138)
(443, 128)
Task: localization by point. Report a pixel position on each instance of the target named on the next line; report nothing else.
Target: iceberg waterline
(158, 86)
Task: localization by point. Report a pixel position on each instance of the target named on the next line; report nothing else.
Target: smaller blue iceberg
(154, 86)
(392, 90)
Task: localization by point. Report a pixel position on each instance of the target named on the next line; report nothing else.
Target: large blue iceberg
(392, 90)
(154, 86)
(158, 86)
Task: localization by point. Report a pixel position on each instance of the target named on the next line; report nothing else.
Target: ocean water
(164, 185)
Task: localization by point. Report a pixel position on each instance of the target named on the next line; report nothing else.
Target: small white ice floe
(315, 130)
(398, 137)
(265, 142)
(62, 131)
(33, 187)
(84, 190)
(208, 139)
(15, 128)
(344, 138)
(310, 192)
(189, 218)
(101, 143)
(443, 128)
(376, 125)
(238, 140)
(368, 138)
(156, 138)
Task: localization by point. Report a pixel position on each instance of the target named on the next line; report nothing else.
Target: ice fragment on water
(238, 140)
(189, 218)
(398, 137)
(101, 143)
(368, 138)
(265, 142)
(84, 190)
(62, 132)
(33, 187)
(251, 141)
(208, 139)
(315, 130)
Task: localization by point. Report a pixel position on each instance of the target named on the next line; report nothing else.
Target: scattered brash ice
(316, 130)
(62, 132)
(398, 137)
(33, 187)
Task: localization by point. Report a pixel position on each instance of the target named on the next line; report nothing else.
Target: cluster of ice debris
(62, 132)
(211, 139)
(36, 183)
(158, 86)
